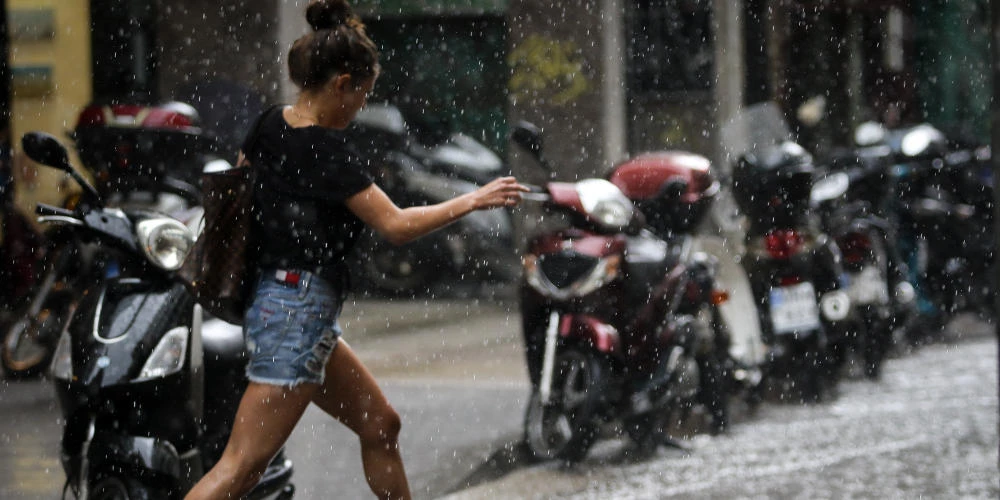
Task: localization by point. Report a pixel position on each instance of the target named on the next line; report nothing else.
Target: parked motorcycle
(416, 173)
(881, 298)
(143, 157)
(941, 205)
(793, 267)
(147, 389)
(619, 323)
(675, 190)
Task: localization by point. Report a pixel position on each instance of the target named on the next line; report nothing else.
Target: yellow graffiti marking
(542, 67)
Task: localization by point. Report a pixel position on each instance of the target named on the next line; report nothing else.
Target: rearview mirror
(529, 137)
(46, 149)
(869, 134)
(830, 187)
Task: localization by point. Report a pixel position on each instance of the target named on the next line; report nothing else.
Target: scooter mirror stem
(529, 136)
(90, 192)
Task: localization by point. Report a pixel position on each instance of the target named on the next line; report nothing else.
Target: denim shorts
(291, 329)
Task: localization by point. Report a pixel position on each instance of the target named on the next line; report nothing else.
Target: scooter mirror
(869, 134)
(46, 149)
(920, 140)
(830, 187)
(529, 137)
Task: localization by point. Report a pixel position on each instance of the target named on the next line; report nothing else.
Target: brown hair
(337, 45)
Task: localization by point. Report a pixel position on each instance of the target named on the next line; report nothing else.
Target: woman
(313, 198)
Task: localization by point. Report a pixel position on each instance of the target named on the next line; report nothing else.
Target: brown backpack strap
(255, 130)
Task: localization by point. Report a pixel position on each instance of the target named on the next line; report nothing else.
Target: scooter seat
(222, 342)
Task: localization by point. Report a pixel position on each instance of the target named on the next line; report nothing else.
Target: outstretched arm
(402, 225)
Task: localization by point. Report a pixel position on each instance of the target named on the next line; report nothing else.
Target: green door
(447, 74)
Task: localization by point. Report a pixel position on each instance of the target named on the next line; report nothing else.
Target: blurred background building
(604, 78)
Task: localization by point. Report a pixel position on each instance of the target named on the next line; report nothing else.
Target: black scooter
(148, 390)
(941, 206)
(794, 268)
(141, 157)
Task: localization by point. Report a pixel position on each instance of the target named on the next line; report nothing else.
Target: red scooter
(620, 321)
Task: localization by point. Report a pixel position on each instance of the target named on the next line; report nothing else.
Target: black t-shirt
(304, 175)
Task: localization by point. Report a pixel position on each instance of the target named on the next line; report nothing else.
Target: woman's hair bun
(328, 14)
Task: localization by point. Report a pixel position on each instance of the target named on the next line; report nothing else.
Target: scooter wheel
(567, 426)
(29, 343)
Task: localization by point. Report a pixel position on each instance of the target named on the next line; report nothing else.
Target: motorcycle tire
(713, 393)
(567, 426)
(878, 337)
(113, 487)
(812, 375)
(29, 343)
(717, 377)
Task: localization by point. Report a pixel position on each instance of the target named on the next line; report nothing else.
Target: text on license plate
(794, 308)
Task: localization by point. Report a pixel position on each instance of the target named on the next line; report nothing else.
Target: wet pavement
(452, 367)
(454, 370)
(928, 429)
(30, 429)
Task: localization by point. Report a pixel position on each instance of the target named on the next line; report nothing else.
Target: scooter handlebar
(44, 209)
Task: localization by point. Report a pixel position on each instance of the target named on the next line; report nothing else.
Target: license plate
(794, 308)
(868, 287)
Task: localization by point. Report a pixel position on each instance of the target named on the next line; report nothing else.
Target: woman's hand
(502, 192)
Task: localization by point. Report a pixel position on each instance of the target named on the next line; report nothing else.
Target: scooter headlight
(166, 242)
(168, 356)
(570, 284)
(62, 359)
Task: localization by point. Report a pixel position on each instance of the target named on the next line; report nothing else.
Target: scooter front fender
(143, 456)
(592, 331)
(581, 329)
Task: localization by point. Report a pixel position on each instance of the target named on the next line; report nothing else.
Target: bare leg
(266, 417)
(351, 395)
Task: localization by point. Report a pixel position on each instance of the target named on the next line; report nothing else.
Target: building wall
(50, 59)
(555, 60)
(293, 25)
(230, 40)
